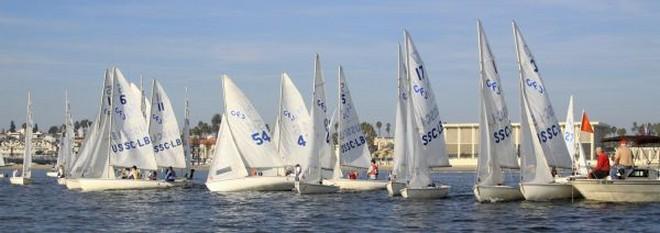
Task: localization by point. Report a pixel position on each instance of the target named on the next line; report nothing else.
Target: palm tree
(388, 129)
(378, 126)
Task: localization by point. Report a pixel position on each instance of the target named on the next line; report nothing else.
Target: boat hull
(394, 188)
(51, 174)
(357, 185)
(61, 181)
(497, 193)
(425, 192)
(548, 192)
(89, 185)
(72, 184)
(619, 190)
(306, 188)
(20, 180)
(252, 183)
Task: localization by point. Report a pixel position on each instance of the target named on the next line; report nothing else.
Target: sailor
(135, 173)
(125, 173)
(153, 175)
(602, 165)
(373, 170)
(298, 171)
(170, 175)
(60, 171)
(14, 173)
(622, 160)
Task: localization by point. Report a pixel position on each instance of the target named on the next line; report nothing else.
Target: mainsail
(549, 149)
(27, 155)
(164, 130)
(429, 148)
(496, 145)
(353, 150)
(320, 120)
(130, 142)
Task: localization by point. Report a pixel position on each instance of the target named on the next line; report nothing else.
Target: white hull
(72, 184)
(20, 180)
(426, 192)
(394, 188)
(357, 185)
(61, 181)
(252, 183)
(497, 193)
(547, 192)
(307, 188)
(87, 184)
(51, 174)
(619, 190)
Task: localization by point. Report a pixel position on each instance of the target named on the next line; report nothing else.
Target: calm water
(46, 206)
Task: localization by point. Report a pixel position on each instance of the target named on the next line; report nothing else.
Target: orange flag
(586, 124)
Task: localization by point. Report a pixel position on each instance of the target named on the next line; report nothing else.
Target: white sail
(320, 155)
(542, 116)
(227, 161)
(93, 153)
(353, 150)
(187, 152)
(130, 142)
(500, 135)
(164, 130)
(425, 108)
(293, 125)
(569, 129)
(68, 138)
(60, 155)
(248, 129)
(319, 115)
(2, 160)
(429, 148)
(401, 154)
(27, 155)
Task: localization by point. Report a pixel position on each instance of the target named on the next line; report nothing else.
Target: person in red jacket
(602, 168)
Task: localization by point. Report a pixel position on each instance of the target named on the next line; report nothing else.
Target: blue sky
(603, 52)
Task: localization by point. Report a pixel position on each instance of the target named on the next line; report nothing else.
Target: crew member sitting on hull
(602, 165)
(135, 173)
(623, 161)
(170, 175)
(298, 170)
(373, 170)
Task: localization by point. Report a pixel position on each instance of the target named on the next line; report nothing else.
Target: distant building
(462, 140)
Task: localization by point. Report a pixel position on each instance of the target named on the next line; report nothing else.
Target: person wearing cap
(622, 160)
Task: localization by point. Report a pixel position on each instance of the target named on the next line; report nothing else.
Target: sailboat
(573, 144)
(164, 131)
(26, 175)
(66, 147)
(542, 148)
(312, 180)
(353, 151)
(244, 144)
(427, 148)
(187, 151)
(402, 135)
(128, 142)
(91, 161)
(496, 134)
